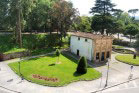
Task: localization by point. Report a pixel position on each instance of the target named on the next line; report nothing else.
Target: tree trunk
(19, 39)
(130, 38)
(118, 35)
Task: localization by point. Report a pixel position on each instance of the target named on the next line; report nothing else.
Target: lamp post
(108, 66)
(20, 71)
(19, 67)
(131, 75)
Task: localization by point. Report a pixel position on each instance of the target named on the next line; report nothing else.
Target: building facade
(94, 47)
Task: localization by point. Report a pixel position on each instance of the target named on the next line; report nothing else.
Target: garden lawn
(45, 66)
(15, 50)
(128, 59)
(117, 46)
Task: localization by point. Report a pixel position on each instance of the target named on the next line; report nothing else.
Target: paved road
(130, 87)
(119, 72)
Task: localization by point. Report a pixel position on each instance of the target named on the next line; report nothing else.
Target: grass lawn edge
(126, 62)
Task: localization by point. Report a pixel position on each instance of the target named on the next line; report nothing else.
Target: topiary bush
(121, 42)
(57, 53)
(82, 66)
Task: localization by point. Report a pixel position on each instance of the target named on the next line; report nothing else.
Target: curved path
(119, 72)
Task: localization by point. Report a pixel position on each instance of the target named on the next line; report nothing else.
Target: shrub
(82, 66)
(121, 42)
(57, 52)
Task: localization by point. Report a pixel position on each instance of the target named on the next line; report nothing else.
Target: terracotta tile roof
(90, 35)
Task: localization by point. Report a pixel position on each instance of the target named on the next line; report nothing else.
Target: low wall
(4, 57)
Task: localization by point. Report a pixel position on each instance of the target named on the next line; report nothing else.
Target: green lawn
(44, 66)
(13, 50)
(117, 46)
(128, 59)
(38, 43)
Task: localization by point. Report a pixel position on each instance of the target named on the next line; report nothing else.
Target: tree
(133, 12)
(98, 22)
(118, 13)
(17, 13)
(125, 18)
(57, 53)
(103, 7)
(84, 25)
(62, 17)
(131, 30)
(119, 27)
(82, 66)
(38, 18)
(137, 42)
(3, 14)
(103, 10)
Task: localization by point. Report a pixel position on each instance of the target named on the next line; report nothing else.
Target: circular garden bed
(124, 51)
(128, 59)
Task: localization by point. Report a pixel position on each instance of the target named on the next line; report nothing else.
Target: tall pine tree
(104, 9)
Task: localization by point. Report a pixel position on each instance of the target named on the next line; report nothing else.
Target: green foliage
(131, 30)
(57, 52)
(99, 22)
(37, 43)
(15, 50)
(133, 12)
(137, 42)
(103, 7)
(52, 40)
(121, 42)
(84, 25)
(103, 19)
(82, 66)
(125, 17)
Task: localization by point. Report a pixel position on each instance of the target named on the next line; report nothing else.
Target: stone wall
(4, 57)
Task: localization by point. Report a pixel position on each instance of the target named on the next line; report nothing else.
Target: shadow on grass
(70, 58)
(77, 74)
(51, 55)
(53, 64)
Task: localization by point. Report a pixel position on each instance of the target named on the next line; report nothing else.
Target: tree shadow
(51, 55)
(74, 58)
(53, 64)
(36, 58)
(77, 74)
(94, 65)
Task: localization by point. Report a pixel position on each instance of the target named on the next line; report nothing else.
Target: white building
(93, 47)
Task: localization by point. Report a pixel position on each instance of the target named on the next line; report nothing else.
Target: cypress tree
(82, 66)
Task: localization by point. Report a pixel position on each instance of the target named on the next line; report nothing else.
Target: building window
(78, 38)
(108, 54)
(97, 56)
(85, 40)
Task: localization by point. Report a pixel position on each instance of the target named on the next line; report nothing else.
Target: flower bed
(45, 78)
